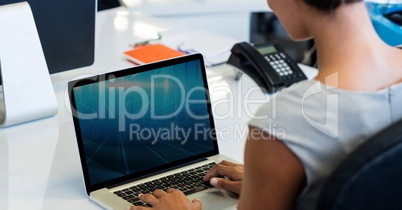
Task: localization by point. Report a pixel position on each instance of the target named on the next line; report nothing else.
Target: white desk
(226, 17)
(39, 163)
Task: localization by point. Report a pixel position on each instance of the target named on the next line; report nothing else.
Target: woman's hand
(172, 199)
(226, 175)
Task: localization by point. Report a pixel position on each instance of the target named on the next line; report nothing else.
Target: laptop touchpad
(216, 199)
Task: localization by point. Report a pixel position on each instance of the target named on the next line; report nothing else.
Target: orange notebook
(151, 53)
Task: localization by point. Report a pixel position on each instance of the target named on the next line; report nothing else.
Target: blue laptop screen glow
(141, 121)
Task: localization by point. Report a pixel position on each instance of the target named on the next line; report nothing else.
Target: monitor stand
(27, 89)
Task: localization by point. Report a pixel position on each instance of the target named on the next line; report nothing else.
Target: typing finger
(148, 198)
(137, 208)
(172, 190)
(220, 170)
(158, 193)
(233, 186)
(227, 163)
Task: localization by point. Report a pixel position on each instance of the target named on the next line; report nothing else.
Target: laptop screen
(142, 120)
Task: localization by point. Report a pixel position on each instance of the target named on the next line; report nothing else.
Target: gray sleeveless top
(323, 125)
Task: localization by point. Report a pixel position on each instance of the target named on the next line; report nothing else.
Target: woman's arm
(273, 175)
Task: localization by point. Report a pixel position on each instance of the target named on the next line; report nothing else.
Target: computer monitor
(66, 29)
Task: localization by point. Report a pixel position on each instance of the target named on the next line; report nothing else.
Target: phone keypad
(277, 61)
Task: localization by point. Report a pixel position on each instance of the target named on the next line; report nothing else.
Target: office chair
(370, 178)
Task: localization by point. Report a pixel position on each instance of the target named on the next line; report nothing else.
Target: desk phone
(267, 64)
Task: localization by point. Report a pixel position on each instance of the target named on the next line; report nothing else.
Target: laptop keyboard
(190, 181)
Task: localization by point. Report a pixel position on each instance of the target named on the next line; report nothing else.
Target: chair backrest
(370, 178)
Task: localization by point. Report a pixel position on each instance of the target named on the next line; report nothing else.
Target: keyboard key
(197, 189)
(190, 181)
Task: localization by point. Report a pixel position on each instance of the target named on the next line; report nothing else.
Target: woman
(356, 93)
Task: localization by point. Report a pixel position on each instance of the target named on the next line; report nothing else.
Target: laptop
(145, 128)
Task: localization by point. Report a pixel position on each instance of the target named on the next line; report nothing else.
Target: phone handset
(268, 65)
(250, 61)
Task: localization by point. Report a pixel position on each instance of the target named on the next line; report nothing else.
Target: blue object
(388, 30)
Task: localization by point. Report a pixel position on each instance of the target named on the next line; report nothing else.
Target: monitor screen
(66, 29)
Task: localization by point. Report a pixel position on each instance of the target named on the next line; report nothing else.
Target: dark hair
(328, 5)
